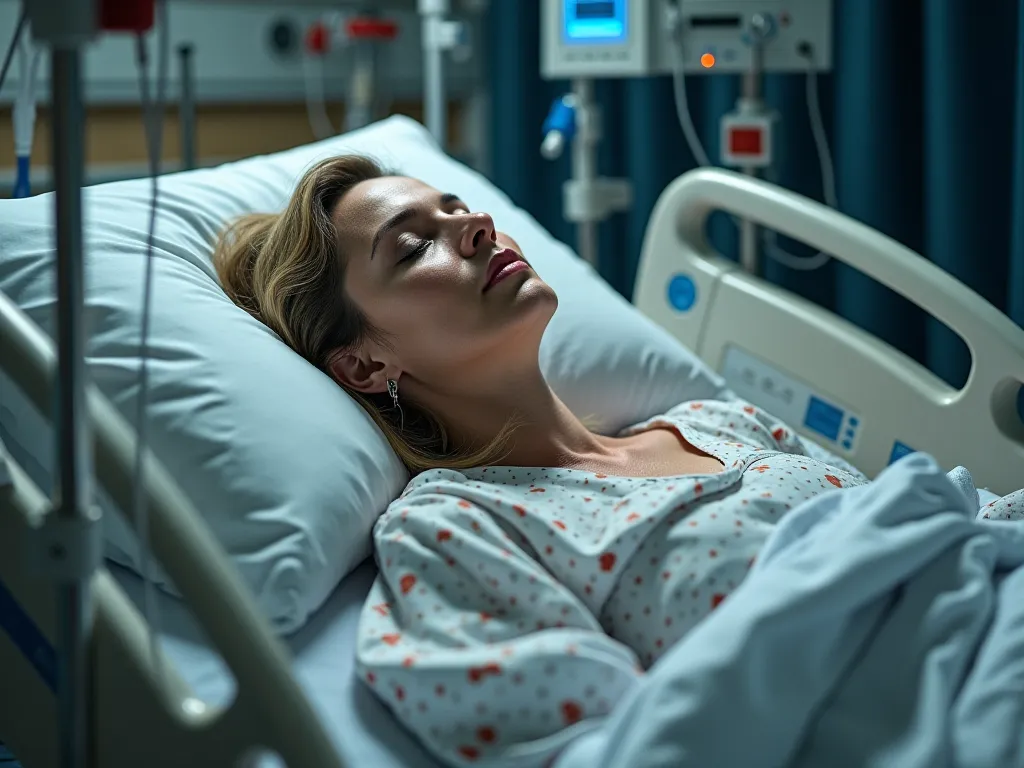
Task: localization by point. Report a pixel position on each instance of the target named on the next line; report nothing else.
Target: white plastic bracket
(439, 34)
(69, 549)
(595, 200)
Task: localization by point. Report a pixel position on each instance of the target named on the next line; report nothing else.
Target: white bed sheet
(364, 732)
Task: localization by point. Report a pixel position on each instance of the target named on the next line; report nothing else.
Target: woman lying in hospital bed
(532, 570)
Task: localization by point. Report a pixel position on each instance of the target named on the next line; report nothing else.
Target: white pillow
(289, 472)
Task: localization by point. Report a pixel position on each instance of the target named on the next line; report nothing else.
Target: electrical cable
(828, 173)
(679, 89)
(828, 181)
(153, 119)
(12, 46)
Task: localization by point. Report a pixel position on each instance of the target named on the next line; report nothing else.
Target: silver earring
(393, 392)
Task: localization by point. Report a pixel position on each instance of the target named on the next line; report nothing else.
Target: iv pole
(588, 198)
(750, 102)
(72, 535)
(439, 36)
(68, 544)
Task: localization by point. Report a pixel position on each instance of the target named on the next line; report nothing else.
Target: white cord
(828, 174)
(828, 182)
(153, 119)
(24, 108)
(679, 89)
(316, 107)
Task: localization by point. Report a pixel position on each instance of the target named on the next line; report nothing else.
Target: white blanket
(881, 626)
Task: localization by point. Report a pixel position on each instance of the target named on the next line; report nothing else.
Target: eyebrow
(402, 216)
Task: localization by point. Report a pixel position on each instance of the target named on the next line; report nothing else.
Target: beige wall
(114, 135)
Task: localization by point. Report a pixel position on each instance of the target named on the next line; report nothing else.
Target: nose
(478, 231)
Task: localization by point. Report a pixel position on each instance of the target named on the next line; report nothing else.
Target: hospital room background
(923, 110)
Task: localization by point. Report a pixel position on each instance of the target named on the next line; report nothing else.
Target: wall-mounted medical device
(586, 40)
(632, 38)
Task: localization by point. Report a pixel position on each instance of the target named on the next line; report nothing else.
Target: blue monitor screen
(823, 418)
(595, 21)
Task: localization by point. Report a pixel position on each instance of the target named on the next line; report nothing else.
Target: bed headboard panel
(836, 383)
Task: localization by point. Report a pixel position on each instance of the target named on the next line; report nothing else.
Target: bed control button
(682, 293)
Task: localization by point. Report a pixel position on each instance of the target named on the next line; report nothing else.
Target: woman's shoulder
(434, 476)
(481, 486)
(447, 493)
(456, 483)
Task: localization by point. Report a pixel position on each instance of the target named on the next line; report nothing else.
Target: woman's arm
(475, 647)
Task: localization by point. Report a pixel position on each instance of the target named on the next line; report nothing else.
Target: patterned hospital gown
(515, 606)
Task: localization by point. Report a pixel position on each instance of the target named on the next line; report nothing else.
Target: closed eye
(418, 251)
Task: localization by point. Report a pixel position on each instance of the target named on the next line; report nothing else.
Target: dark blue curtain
(925, 115)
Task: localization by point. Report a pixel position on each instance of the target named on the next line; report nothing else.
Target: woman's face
(453, 295)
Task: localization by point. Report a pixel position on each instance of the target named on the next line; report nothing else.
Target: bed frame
(836, 383)
(137, 703)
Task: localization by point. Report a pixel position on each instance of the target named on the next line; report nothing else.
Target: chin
(526, 308)
(537, 294)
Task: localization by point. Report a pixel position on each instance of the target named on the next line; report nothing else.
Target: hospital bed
(224, 685)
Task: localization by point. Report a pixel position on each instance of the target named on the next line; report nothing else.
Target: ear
(360, 372)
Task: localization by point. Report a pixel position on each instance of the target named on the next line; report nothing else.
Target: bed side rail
(832, 380)
(269, 711)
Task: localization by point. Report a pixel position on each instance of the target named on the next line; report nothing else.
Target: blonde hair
(286, 270)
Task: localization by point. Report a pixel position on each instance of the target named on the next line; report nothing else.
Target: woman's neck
(546, 434)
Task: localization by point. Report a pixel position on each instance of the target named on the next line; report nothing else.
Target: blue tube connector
(559, 127)
(562, 118)
(22, 188)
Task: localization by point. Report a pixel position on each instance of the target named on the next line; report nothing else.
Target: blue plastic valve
(561, 118)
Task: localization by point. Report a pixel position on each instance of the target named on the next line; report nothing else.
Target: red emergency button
(746, 141)
(371, 29)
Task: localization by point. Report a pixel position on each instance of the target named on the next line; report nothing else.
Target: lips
(498, 262)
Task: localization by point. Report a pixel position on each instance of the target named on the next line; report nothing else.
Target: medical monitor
(632, 38)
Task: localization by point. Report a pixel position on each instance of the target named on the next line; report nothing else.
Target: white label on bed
(790, 399)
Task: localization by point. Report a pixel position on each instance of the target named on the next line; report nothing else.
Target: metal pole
(187, 108)
(584, 162)
(359, 111)
(435, 102)
(74, 460)
(751, 94)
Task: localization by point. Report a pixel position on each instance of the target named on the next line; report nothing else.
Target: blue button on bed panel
(854, 421)
(682, 293)
(847, 444)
